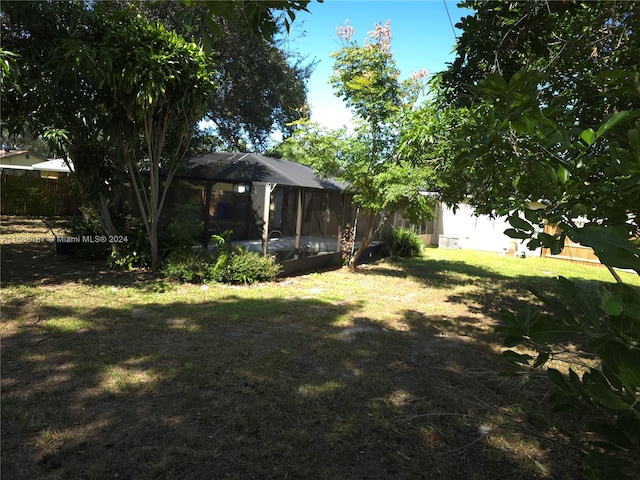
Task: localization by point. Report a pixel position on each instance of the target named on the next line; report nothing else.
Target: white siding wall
(477, 232)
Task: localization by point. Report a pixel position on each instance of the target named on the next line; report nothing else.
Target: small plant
(134, 250)
(250, 267)
(190, 267)
(401, 242)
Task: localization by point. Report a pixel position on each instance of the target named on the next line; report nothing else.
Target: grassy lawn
(388, 373)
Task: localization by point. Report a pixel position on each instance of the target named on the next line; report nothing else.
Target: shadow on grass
(268, 388)
(38, 264)
(491, 290)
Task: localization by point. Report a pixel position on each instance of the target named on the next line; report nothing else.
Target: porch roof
(249, 167)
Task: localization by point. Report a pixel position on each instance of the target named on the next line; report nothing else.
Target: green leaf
(611, 434)
(532, 215)
(588, 136)
(615, 119)
(546, 330)
(563, 174)
(513, 233)
(543, 357)
(533, 243)
(520, 223)
(558, 379)
(516, 358)
(602, 394)
(612, 306)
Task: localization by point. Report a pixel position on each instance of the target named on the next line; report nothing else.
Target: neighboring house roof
(53, 165)
(249, 167)
(19, 157)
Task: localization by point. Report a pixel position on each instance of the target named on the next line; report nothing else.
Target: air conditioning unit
(449, 243)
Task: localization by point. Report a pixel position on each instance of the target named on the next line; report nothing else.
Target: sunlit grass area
(389, 373)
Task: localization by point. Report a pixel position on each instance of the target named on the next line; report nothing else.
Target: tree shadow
(267, 388)
(38, 264)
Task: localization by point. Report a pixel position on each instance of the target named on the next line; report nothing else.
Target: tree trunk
(371, 234)
(100, 207)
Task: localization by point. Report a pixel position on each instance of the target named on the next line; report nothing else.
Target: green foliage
(88, 225)
(367, 77)
(120, 93)
(515, 156)
(550, 136)
(190, 268)
(261, 17)
(247, 108)
(401, 242)
(571, 43)
(225, 264)
(609, 393)
(133, 243)
(522, 161)
(134, 250)
(382, 182)
(183, 226)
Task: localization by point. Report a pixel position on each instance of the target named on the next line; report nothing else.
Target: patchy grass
(389, 373)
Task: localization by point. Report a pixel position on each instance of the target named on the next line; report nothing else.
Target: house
(270, 205)
(19, 162)
(462, 228)
(17, 159)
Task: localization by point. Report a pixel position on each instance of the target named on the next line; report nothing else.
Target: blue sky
(422, 39)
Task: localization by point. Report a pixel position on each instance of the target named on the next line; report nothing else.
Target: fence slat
(33, 196)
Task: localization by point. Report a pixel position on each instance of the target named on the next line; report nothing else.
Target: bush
(134, 251)
(226, 264)
(400, 242)
(188, 267)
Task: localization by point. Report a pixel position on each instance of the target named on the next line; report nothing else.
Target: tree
(552, 143)
(57, 88)
(261, 88)
(383, 183)
(51, 96)
(158, 85)
(571, 43)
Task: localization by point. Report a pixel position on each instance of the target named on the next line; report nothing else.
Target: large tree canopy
(101, 81)
(547, 101)
(158, 86)
(261, 87)
(537, 79)
(573, 43)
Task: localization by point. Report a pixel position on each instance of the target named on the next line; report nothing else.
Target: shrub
(226, 264)
(134, 250)
(400, 242)
(250, 267)
(192, 267)
(608, 393)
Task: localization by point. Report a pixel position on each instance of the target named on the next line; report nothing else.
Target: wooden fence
(571, 251)
(35, 196)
